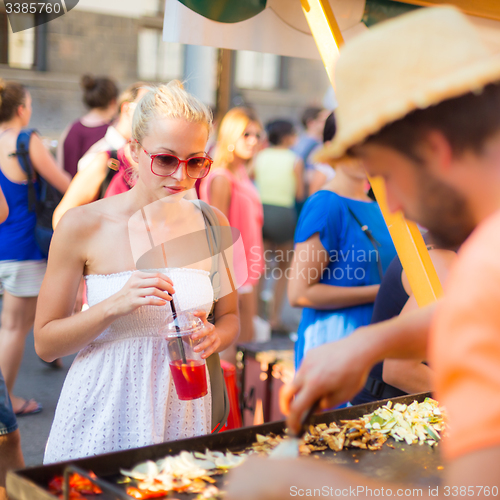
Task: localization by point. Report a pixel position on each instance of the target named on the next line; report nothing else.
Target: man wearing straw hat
(419, 102)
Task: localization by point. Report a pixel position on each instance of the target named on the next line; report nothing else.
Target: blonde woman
(229, 188)
(87, 185)
(119, 393)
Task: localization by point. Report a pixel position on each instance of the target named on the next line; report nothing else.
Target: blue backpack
(42, 197)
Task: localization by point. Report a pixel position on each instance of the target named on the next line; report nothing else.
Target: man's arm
(409, 375)
(337, 371)
(476, 474)
(479, 470)
(283, 479)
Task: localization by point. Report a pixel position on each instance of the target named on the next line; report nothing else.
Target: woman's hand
(211, 341)
(305, 290)
(142, 289)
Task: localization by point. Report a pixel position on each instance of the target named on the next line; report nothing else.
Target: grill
(418, 466)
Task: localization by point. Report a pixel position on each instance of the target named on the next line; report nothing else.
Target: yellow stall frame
(407, 239)
(489, 9)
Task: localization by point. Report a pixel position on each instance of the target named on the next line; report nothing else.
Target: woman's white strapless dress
(119, 393)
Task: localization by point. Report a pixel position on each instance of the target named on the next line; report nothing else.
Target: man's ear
(437, 153)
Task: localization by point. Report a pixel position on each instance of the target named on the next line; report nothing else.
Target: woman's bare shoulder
(78, 221)
(88, 218)
(220, 179)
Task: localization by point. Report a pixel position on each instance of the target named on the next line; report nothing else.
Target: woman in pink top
(229, 188)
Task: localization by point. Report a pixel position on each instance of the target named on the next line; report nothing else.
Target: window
(17, 49)
(22, 48)
(159, 60)
(256, 70)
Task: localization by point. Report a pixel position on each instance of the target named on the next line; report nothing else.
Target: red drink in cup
(187, 366)
(190, 379)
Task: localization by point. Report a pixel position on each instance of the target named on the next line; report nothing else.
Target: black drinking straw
(178, 330)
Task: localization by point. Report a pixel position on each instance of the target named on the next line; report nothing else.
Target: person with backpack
(119, 392)
(118, 133)
(92, 183)
(22, 264)
(100, 166)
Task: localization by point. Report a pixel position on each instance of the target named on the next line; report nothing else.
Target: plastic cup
(186, 365)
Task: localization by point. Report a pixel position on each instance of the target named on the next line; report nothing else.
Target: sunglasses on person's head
(165, 165)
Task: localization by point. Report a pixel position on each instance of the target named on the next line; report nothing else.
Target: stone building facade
(89, 39)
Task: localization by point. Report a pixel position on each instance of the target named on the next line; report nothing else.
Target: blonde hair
(169, 101)
(231, 128)
(130, 93)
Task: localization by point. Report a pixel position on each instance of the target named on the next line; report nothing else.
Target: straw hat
(412, 62)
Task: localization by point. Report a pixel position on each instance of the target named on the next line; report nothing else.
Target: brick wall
(306, 84)
(86, 42)
(81, 42)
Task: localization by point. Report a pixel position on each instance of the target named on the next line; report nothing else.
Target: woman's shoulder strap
(23, 157)
(22, 150)
(213, 231)
(23, 140)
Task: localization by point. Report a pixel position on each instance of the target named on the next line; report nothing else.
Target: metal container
(415, 465)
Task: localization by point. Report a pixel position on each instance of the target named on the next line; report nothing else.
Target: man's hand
(334, 372)
(337, 371)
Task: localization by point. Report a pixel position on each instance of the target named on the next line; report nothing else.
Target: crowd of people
(431, 130)
(138, 178)
(126, 154)
(294, 214)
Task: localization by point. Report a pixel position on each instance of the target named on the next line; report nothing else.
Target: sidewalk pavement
(39, 381)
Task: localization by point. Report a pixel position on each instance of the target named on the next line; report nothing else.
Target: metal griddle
(419, 466)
